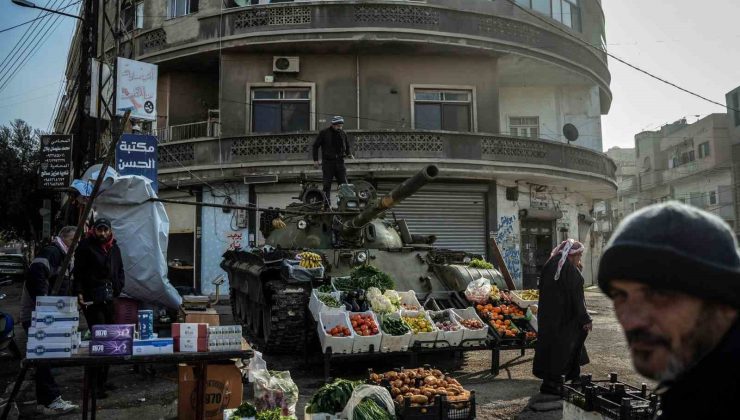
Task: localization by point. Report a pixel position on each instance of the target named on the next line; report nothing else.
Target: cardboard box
(47, 351)
(190, 344)
(113, 332)
(154, 346)
(52, 335)
(54, 319)
(64, 304)
(111, 347)
(223, 390)
(209, 316)
(190, 330)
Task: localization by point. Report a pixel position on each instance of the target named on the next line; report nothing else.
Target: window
(704, 150)
(133, 16)
(281, 110)
(179, 8)
(712, 197)
(139, 23)
(567, 12)
(449, 110)
(524, 127)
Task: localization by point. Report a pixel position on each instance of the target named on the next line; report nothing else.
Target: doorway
(537, 243)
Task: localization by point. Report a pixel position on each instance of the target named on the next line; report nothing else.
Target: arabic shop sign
(137, 155)
(136, 89)
(56, 160)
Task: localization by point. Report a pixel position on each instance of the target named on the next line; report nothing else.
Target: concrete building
(733, 132)
(616, 208)
(690, 163)
(480, 88)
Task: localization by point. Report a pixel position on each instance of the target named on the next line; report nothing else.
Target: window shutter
(193, 6)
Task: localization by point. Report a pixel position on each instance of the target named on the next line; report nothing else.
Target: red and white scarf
(565, 249)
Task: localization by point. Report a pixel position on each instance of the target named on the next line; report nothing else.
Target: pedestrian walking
(98, 279)
(673, 274)
(563, 323)
(42, 273)
(334, 147)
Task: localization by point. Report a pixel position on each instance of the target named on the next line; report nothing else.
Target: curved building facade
(480, 88)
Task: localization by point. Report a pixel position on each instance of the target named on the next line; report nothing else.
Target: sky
(695, 44)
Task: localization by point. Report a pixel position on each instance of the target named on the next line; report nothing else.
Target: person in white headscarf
(563, 322)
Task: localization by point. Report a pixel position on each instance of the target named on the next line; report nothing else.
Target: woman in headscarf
(562, 318)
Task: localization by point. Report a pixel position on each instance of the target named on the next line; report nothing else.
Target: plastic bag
(256, 363)
(362, 392)
(275, 390)
(478, 291)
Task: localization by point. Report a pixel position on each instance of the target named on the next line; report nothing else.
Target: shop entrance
(537, 243)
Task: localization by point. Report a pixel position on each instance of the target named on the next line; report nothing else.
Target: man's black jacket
(93, 267)
(333, 143)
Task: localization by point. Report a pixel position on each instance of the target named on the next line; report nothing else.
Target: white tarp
(141, 229)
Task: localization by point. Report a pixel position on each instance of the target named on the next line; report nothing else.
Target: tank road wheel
(284, 318)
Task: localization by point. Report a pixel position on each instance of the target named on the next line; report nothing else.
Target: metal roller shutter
(456, 215)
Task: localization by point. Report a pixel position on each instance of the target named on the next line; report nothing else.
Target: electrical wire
(40, 17)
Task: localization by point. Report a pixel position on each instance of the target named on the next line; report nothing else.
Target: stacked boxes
(112, 340)
(190, 337)
(153, 346)
(53, 331)
(225, 338)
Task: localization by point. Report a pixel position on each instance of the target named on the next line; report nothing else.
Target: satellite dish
(570, 132)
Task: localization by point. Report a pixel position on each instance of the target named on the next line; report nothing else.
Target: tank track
(284, 321)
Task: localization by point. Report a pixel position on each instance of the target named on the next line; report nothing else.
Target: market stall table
(89, 363)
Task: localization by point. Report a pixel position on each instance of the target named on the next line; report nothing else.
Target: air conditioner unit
(281, 64)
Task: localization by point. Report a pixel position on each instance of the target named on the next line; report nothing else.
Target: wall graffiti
(507, 238)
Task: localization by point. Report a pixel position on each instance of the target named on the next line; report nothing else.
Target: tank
(273, 305)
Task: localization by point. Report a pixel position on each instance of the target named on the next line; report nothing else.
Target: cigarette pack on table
(190, 330)
(47, 351)
(65, 304)
(153, 346)
(111, 347)
(113, 332)
(191, 345)
(146, 323)
(54, 319)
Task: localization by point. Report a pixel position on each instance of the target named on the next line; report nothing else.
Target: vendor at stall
(562, 318)
(98, 278)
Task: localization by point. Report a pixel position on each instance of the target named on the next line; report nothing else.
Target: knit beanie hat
(675, 247)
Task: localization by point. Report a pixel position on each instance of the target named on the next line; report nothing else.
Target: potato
(436, 372)
(395, 391)
(419, 399)
(399, 399)
(430, 380)
(397, 383)
(392, 375)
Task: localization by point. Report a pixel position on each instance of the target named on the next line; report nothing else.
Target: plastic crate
(339, 345)
(459, 409)
(519, 301)
(394, 343)
(472, 338)
(404, 410)
(362, 344)
(316, 306)
(448, 338)
(424, 339)
(409, 301)
(627, 409)
(319, 416)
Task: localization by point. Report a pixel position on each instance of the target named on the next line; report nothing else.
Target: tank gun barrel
(398, 194)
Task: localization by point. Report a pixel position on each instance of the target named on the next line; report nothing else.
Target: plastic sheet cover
(141, 228)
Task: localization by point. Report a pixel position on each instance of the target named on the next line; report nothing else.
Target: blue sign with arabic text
(136, 154)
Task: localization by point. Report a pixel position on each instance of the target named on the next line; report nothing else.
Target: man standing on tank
(334, 148)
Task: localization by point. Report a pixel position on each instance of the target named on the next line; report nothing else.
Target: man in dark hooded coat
(563, 322)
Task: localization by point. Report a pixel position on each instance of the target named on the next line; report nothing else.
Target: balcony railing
(201, 129)
(393, 145)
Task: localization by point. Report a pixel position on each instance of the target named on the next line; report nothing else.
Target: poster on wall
(56, 160)
(136, 89)
(137, 155)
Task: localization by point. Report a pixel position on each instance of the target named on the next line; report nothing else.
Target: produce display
(420, 386)
(495, 293)
(329, 301)
(325, 288)
(273, 414)
(363, 278)
(393, 326)
(478, 263)
(309, 260)
(364, 325)
(530, 335)
(512, 310)
(355, 301)
(443, 322)
(418, 323)
(472, 324)
(531, 294)
(370, 410)
(504, 328)
(331, 398)
(339, 331)
(383, 303)
(244, 410)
